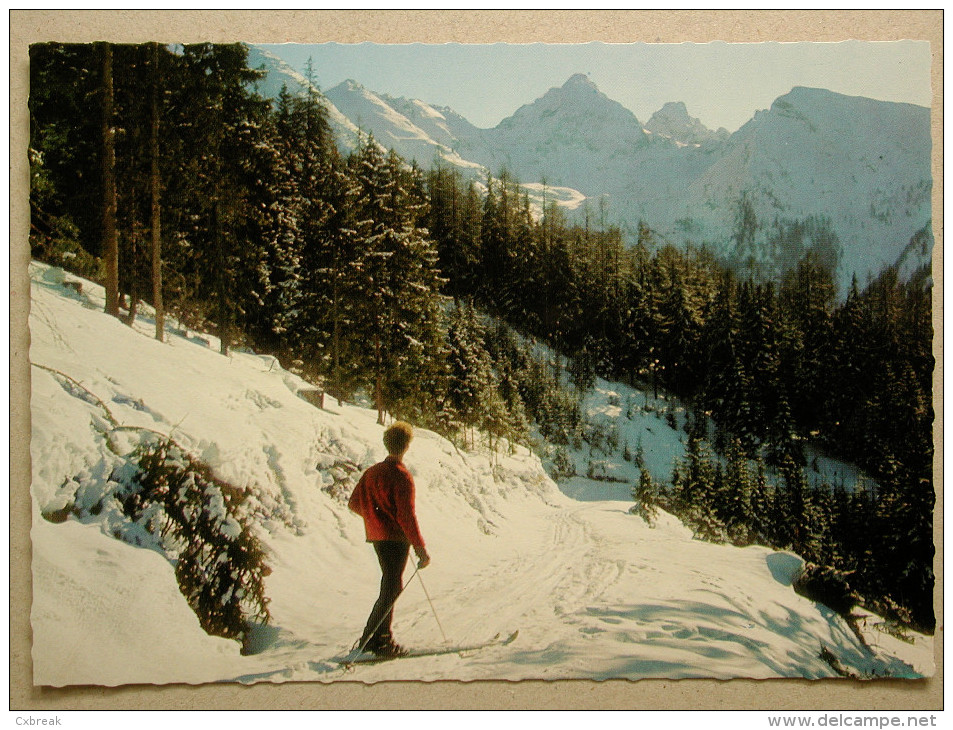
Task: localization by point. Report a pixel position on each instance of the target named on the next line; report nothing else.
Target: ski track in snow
(594, 591)
(582, 613)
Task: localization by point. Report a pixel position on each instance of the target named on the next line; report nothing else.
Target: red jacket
(384, 497)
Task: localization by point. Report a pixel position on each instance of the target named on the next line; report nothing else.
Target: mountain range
(847, 177)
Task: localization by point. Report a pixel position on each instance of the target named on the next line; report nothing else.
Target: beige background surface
(395, 26)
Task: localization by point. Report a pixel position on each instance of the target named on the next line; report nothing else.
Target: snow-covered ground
(625, 421)
(594, 591)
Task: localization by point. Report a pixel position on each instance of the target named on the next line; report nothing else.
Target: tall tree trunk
(378, 380)
(336, 338)
(133, 287)
(110, 238)
(221, 273)
(155, 190)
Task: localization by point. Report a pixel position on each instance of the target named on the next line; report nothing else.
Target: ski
(368, 658)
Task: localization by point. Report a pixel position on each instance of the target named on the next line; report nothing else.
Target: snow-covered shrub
(339, 478)
(220, 564)
(891, 610)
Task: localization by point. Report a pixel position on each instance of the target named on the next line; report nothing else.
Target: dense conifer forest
(161, 173)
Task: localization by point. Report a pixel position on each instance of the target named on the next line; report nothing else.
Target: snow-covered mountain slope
(441, 124)
(573, 136)
(373, 114)
(624, 421)
(594, 591)
(853, 173)
(422, 133)
(279, 74)
(862, 165)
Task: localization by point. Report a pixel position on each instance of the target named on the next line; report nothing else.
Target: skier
(384, 497)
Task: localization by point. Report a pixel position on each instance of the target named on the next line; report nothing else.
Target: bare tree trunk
(378, 380)
(133, 300)
(110, 238)
(336, 338)
(221, 260)
(155, 190)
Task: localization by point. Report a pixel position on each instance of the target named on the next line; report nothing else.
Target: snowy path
(594, 594)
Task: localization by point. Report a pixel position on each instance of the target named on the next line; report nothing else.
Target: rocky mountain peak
(674, 122)
(580, 81)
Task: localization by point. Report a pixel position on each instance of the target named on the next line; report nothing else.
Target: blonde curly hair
(397, 437)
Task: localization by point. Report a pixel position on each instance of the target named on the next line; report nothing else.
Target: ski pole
(389, 608)
(426, 593)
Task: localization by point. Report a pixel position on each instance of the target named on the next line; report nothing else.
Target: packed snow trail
(594, 591)
(663, 605)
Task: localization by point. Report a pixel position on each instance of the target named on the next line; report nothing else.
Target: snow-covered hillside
(594, 591)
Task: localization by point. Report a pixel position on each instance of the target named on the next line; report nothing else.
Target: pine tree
(319, 192)
(275, 272)
(852, 352)
(399, 317)
(678, 331)
(758, 350)
(822, 499)
(726, 386)
(470, 380)
(453, 220)
(902, 555)
(343, 295)
(735, 508)
(796, 514)
(510, 364)
(808, 296)
(760, 526)
(493, 243)
(513, 416)
(139, 150)
(217, 125)
(696, 482)
(582, 365)
(646, 497)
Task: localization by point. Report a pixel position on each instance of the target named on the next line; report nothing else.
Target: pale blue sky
(722, 84)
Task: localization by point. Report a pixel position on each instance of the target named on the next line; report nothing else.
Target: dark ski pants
(392, 555)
